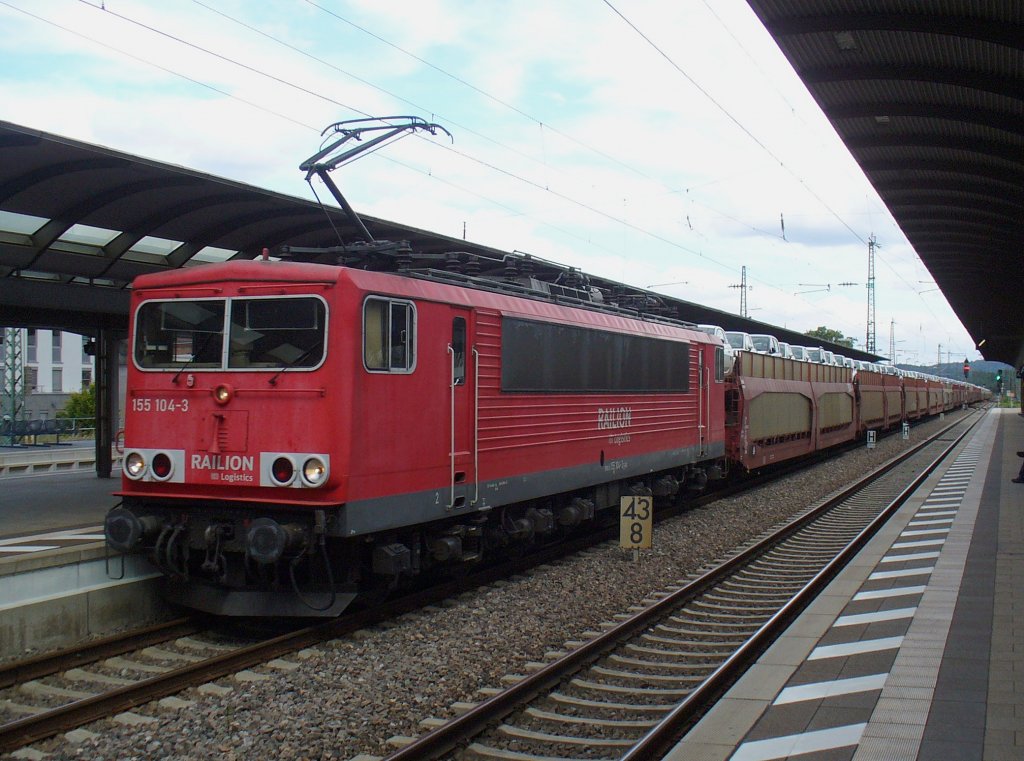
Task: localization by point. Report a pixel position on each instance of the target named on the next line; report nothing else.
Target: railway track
(57, 692)
(632, 691)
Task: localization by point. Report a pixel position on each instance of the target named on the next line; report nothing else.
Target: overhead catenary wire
(752, 136)
(535, 119)
(489, 165)
(540, 122)
(316, 129)
(307, 91)
(164, 69)
(321, 96)
(481, 91)
(743, 128)
(418, 107)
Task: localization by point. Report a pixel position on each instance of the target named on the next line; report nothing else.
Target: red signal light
(282, 470)
(161, 465)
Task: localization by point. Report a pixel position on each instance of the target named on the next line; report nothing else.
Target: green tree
(827, 334)
(82, 404)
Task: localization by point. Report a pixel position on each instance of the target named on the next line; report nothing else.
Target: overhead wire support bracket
(328, 157)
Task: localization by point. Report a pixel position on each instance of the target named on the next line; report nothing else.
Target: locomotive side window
(719, 364)
(459, 350)
(276, 333)
(172, 334)
(389, 335)
(551, 357)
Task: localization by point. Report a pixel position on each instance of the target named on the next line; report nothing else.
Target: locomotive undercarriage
(251, 560)
(238, 560)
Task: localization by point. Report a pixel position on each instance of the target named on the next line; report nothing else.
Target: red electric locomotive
(298, 434)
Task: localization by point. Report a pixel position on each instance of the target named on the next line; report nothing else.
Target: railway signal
(967, 367)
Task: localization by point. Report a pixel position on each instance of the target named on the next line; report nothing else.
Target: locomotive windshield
(276, 333)
(263, 333)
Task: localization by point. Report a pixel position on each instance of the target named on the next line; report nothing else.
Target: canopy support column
(108, 344)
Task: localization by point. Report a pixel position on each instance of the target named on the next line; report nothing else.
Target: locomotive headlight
(314, 471)
(296, 470)
(222, 394)
(134, 465)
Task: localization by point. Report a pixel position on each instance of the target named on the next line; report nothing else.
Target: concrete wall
(56, 599)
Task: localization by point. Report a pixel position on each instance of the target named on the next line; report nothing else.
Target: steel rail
(63, 718)
(456, 731)
(31, 729)
(45, 664)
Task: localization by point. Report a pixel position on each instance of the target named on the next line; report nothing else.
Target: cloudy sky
(666, 145)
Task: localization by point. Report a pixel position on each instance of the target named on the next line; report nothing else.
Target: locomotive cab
(227, 478)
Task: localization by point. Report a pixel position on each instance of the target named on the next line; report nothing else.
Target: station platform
(58, 583)
(52, 503)
(916, 650)
(52, 490)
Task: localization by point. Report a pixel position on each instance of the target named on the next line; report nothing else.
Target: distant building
(55, 365)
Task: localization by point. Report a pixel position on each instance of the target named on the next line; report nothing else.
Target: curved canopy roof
(78, 222)
(929, 98)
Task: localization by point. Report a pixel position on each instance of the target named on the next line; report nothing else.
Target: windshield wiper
(294, 362)
(196, 353)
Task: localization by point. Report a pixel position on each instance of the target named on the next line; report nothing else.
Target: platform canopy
(78, 222)
(929, 98)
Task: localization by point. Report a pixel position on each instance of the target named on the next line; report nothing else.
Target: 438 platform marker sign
(636, 520)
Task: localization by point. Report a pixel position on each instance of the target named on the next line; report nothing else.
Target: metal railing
(45, 431)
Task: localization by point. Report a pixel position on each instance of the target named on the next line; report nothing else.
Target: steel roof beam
(895, 71)
(993, 32)
(1006, 121)
(1006, 151)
